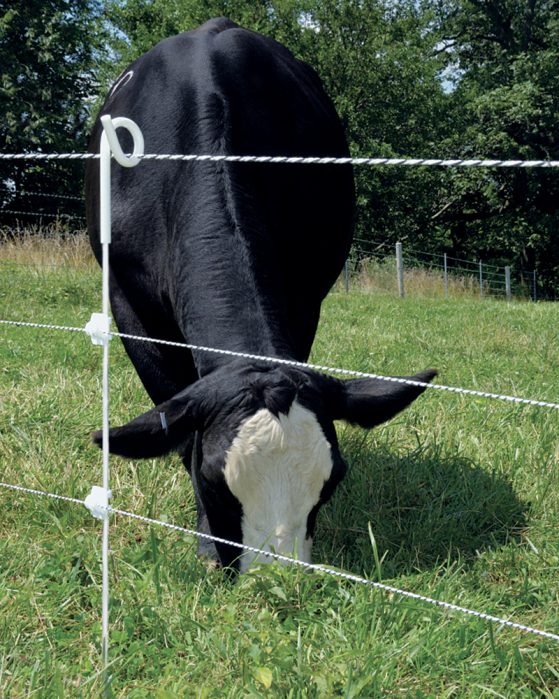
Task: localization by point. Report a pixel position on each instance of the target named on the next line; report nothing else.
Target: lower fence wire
(279, 557)
(307, 566)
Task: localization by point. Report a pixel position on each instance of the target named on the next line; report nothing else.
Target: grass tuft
(45, 247)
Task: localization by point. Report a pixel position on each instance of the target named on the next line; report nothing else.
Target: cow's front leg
(207, 551)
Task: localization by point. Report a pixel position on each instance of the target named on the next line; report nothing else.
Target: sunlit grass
(461, 495)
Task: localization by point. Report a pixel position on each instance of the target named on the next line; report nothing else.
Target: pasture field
(461, 496)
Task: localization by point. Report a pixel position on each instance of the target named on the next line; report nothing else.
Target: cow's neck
(228, 302)
(253, 336)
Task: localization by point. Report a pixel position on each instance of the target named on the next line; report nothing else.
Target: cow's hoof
(210, 563)
(207, 553)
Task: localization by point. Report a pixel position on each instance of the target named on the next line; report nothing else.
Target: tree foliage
(48, 52)
(427, 78)
(504, 58)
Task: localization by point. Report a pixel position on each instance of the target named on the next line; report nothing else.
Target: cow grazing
(238, 257)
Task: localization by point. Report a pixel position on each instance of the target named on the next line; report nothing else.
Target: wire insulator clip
(98, 328)
(97, 502)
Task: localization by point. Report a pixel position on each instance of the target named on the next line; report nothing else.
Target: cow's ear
(159, 430)
(368, 402)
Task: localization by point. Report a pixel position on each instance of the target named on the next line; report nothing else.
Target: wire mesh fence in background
(20, 208)
(403, 269)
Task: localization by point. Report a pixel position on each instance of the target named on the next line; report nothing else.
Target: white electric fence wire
(42, 493)
(307, 566)
(300, 160)
(304, 365)
(343, 575)
(346, 372)
(42, 326)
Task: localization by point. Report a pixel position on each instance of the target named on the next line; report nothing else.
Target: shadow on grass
(424, 508)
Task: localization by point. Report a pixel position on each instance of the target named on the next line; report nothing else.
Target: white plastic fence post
(480, 279)
(400, 269)
(109, 145)
(507, 284)
(445, 264)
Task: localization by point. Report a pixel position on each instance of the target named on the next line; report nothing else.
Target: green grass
(461, 494)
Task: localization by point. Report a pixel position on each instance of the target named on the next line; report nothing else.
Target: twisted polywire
(42, 493)
(42, 326)
(345, 372)
(303, 160)
(343, 575)
(305, 365)
(308, 566)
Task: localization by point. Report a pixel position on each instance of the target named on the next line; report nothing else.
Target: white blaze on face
(276, 467)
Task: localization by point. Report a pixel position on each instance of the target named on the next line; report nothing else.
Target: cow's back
(221, 89)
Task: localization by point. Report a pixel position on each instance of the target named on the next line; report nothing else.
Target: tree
(48, 50)
(504, 59)
(378, 61)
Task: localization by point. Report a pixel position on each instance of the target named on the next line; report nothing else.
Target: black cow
(238, 257)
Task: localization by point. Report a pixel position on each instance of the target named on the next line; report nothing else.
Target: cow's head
(265, 452)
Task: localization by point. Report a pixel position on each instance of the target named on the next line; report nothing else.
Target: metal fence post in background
(480, 279)
(507, 284)
(534, 287)
(445, 264)
(400, 269)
